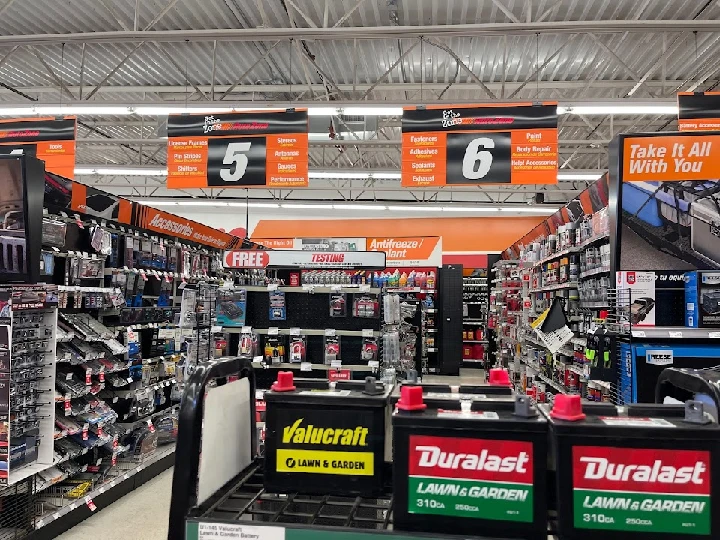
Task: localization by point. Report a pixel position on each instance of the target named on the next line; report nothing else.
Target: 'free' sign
(246, 259)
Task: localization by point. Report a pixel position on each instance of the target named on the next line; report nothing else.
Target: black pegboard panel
(304, 310)
(450, 317)
(350, 347)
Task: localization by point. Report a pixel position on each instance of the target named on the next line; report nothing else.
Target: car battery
(326, 440)
(644, 472)
(470, 472)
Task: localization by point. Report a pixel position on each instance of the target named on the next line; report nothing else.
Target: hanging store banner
(699, 111)
(479, 145)
(672, 158)
(405, 251)
(243, 258)
(238, 150)
(49, 139)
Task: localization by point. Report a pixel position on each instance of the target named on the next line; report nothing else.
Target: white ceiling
(102, 52)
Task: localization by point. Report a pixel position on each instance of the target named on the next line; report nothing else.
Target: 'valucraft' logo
(297, 433)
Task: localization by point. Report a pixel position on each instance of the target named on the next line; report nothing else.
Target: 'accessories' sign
(641, 490)
(370, 260)
(463, 477)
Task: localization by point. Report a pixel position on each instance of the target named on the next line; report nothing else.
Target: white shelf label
(272, 287)
(336, 287)
(223, 531)
(375, 364)
(365, 287)
(367, 332)
(714, 335)
(676, 334)
(305, 366)
(336, 364)
(273, 331)
(294, 331)
(330, 332)
(638, 333)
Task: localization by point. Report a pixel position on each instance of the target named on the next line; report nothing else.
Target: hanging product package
(366, 306)
(338, 304)
(332, 349)
(369, 351)
(298, 348)
(274, 350)
(249, 344)
(232, 307)
(278, 311)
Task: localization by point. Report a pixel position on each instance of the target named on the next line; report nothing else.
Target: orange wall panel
(458, 234)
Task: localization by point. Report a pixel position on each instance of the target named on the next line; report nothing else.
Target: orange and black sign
(49, 139)
(671, 158)
(253, 149)
(479, 145)
(152, 219)
(699, 111)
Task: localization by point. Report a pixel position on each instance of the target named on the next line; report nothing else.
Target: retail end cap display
(411, 399)
(499, 377)
(284, 382)
(567, 407)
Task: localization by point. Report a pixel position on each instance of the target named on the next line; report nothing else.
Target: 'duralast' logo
(597, 468)
(451, 118)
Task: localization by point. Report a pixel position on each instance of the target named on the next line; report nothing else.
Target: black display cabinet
(450, 293)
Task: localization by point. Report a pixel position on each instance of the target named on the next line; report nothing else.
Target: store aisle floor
(140, 515)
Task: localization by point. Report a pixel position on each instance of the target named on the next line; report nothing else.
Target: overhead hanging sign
(699, 111)
(238, 150)
(479, 145)
(243, 258)
(409, 250)
(671, 158)
(49, 139)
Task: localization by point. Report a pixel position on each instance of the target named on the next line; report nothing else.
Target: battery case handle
(683, 384)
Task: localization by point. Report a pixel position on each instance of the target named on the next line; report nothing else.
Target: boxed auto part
(702, 299)
(654, 298)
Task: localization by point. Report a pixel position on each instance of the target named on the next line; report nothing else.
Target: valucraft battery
(646, 472)
(325, 441)
(470, 472)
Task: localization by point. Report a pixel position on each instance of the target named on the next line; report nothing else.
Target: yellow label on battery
(326, 462)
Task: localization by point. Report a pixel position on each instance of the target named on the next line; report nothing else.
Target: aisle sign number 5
(235, 154)
(477, 160)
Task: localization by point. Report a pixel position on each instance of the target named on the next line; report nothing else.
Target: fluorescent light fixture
(415, 208)
(350, 206)
(578, 176)
(380, 175)
(620, 109)
(373, 111)
(301, 206)
(121, 171)
(471, 209)
(254, 205)
(544, 210)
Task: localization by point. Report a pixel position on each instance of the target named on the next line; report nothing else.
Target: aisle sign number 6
(477, 162)
(235, 155)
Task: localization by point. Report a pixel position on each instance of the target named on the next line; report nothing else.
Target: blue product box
(702, 299)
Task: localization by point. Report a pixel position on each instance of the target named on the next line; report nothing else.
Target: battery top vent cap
(411, 399)
(567, 408)
(284, 382)
(499, 377)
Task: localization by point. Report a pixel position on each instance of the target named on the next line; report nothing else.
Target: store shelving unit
(475, 313)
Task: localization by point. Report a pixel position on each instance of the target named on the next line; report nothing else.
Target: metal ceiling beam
(344, 88)
(371, 32)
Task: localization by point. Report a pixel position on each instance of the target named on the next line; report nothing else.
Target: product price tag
(365, 287)
(273, 331)
(212, 531)
(638, 333)
(305, 366)
(330, 332)
(272, 287)
(336, 364)
(115, 399)
(90, 504)
(308, 287)
(294, 331)
(246, 329)
(68, 377)
(216, 329)
(368, 332)
(129, 380)
(258, 359)
(676, 334)
(374, 364)
(336, 287)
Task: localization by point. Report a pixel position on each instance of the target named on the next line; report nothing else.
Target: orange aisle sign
(238, 150)
(699, 111)
(49, 139)
(671, 158)
(479, 145)
(409, 250)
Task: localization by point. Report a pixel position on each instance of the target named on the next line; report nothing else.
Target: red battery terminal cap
(411, 399)
(499, 377)
(567, 407)
(284, 382)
